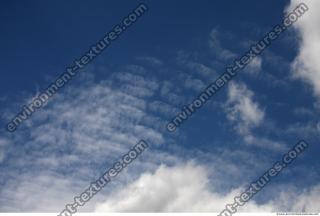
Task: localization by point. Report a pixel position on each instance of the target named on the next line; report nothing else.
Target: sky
(137, 85)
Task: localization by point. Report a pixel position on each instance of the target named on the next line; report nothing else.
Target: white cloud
(72, 140)
(247, 114)
(307, 200)
(265, 143)
(190, 62)
(163, 108)
(307, 65)
(45, 191)
(170, 93)
(307, 129)
(255, 66)
(182, 188)
(242, 109)
(194, 84)
(63, 146)
(185, 188)
(80, 132)
(137, 81)
(217, 48)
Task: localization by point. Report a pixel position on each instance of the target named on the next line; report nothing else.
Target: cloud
(306, 65)
(306, 200)
(190, 61)
(80, 132)
(186, 188)
(40, 191)
(89, 125)
(246, 114)
(194, 84)
(182, 188)
(163, 108)
(304, 129)
(255, 66)
(265, 143)
(151, 60)
(242, 109)
(170, 93)
(215, 44)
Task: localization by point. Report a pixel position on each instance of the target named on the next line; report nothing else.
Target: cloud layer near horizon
(185, 188)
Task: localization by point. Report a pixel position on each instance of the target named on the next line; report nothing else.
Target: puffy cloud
(182, 188)
(306, 65)
(186, 188)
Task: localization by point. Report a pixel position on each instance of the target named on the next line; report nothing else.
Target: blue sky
(137, 85)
